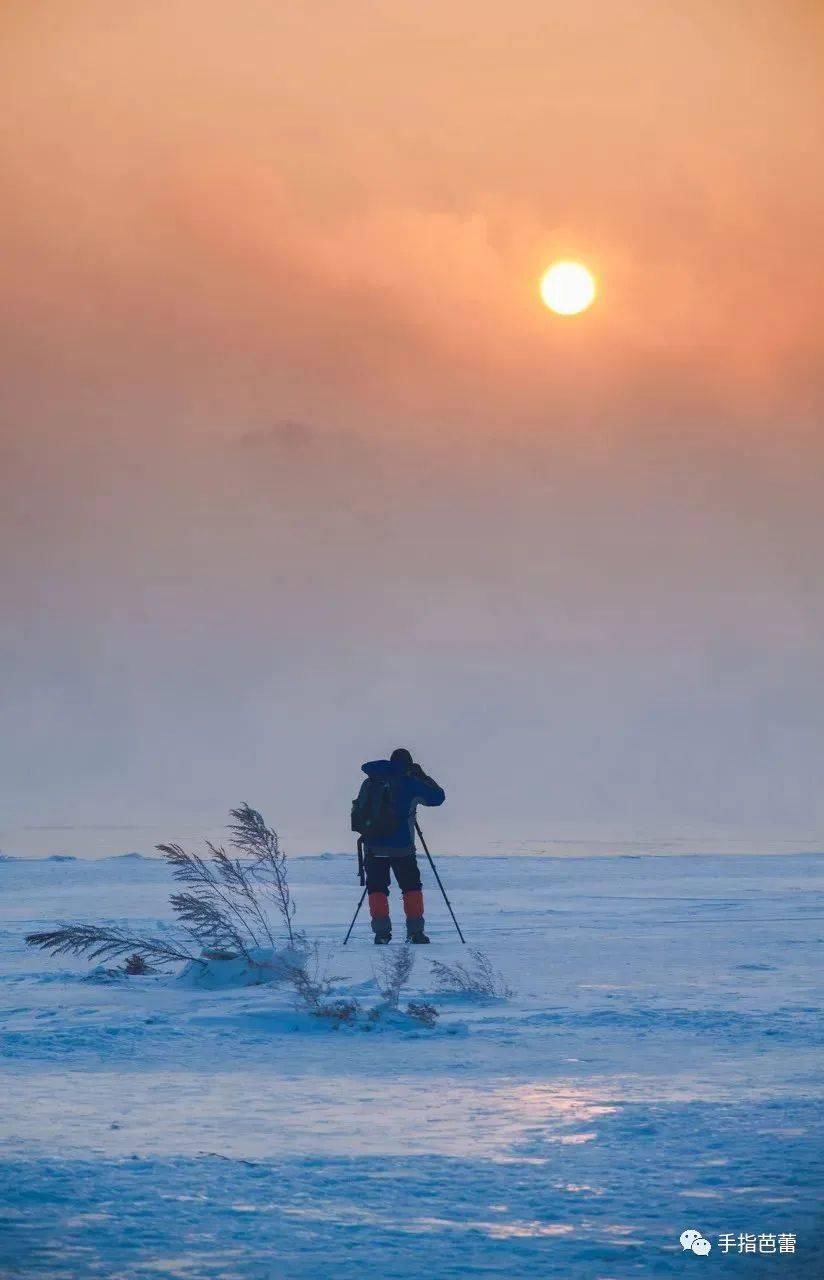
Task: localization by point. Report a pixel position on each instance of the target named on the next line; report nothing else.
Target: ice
(657, 1070)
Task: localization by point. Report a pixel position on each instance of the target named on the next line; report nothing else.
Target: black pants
(404, 866)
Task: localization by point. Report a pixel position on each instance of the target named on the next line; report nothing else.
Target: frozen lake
(657, 1068)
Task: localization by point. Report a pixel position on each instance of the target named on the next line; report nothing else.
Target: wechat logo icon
(695, 1241)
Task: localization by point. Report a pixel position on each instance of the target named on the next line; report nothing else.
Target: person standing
(384, 815)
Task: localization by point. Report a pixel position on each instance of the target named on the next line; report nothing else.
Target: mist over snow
(575, 651)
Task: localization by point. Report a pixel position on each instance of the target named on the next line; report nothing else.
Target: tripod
(434, 871)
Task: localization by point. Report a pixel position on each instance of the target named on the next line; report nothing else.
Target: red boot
(413, 906)
(381, 924)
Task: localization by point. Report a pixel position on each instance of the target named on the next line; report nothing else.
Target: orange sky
(270, 302)
(366, 193)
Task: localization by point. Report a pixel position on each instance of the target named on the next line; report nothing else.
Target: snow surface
(657, 1068)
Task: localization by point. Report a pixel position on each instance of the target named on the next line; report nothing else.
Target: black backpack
(374, 815)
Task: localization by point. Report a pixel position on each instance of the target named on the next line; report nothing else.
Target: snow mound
(104, 973)
(216, 973)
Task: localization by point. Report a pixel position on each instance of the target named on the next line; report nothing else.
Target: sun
(568, 288)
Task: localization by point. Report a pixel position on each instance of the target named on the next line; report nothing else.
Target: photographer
(384, 814)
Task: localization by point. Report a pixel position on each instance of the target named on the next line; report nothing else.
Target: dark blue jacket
(408, 791)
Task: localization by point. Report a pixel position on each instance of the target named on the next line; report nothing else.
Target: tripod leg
(440, 886)
(354, 917)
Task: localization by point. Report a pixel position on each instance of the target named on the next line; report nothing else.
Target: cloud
(203, 227)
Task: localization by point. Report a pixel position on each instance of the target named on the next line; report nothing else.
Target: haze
(295, 467)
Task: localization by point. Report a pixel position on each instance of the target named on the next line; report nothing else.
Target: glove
(415, 771)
